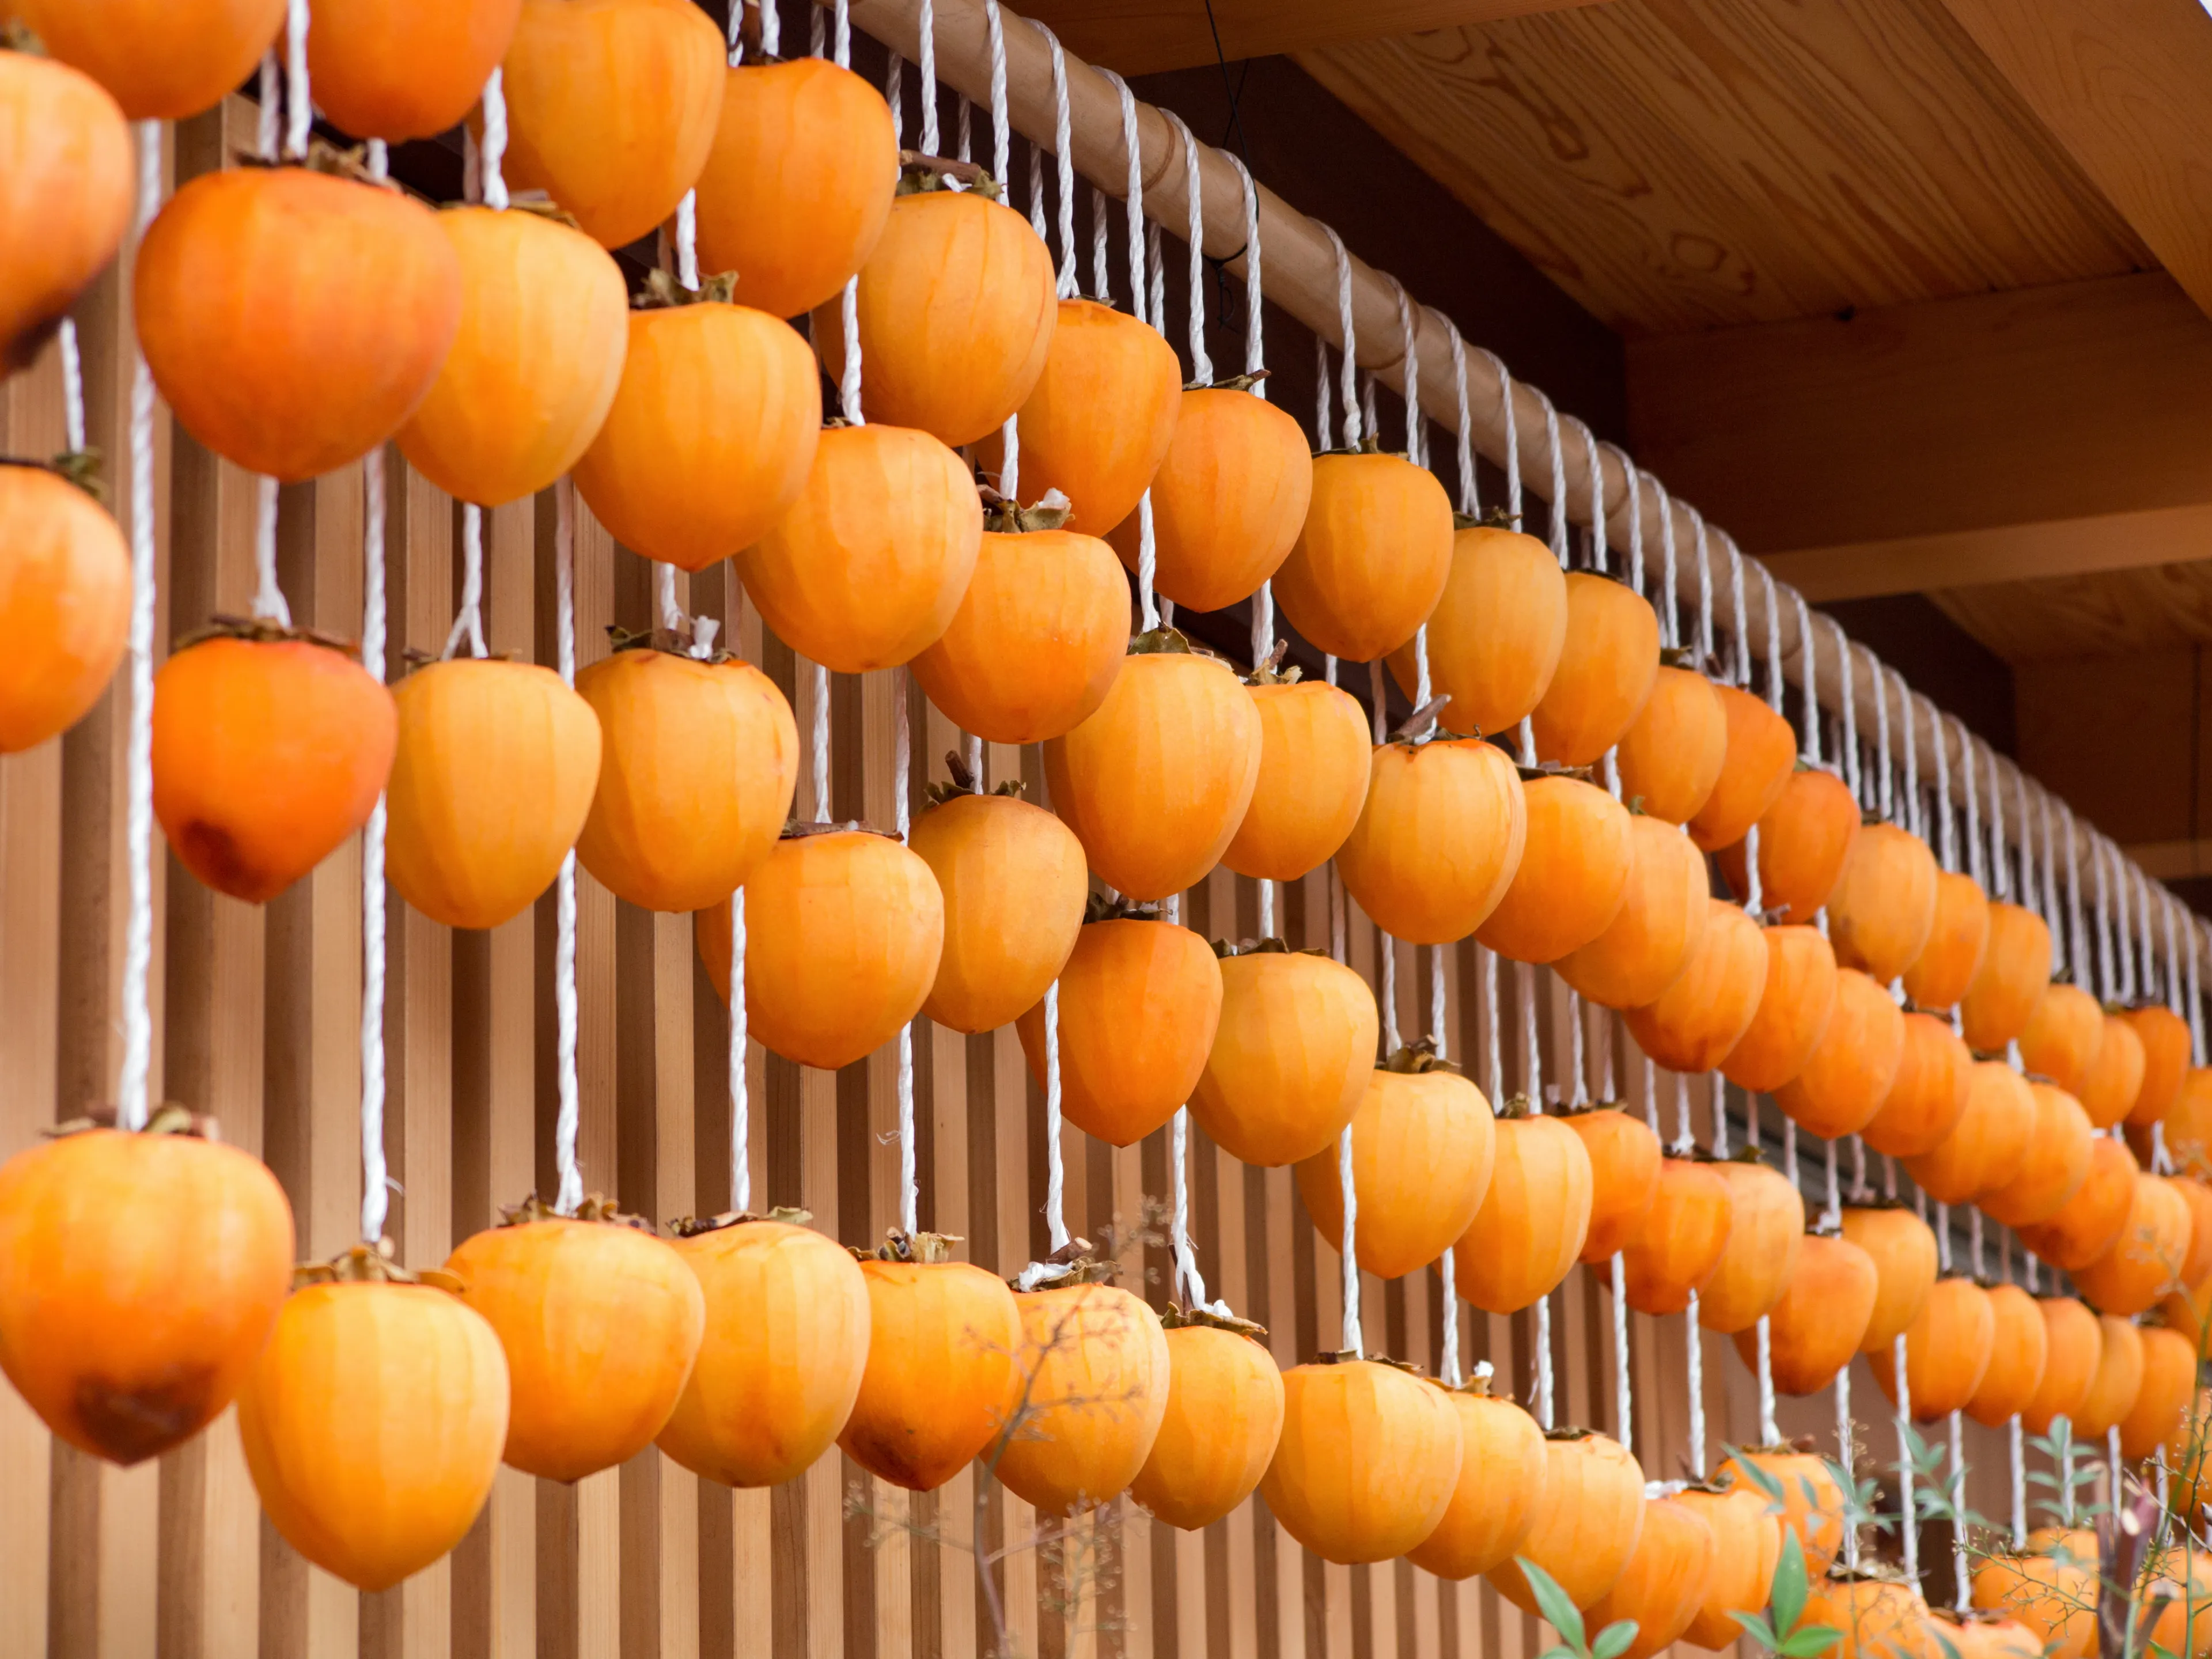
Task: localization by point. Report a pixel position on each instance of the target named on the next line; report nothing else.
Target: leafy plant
(1776, 1630)
(1566, 1619)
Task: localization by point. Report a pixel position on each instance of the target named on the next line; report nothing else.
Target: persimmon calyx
(169, 1118)
(694, 1226)
(373, 1264)
(592, 1208)
(1175, 1316)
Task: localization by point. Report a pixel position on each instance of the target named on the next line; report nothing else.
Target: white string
(1623, 1403)
(1735, 600)
(468, 627)
(1847, 1438)
(925, 29)
(1353, 1343)
(1807, 649)
(1201, 366)
(270, 115)
(269, 604)
(1067, 287)
(493, 181)
(72, 388)
(1774, 643)
(2106, 977)
(132, 1086)
(841, 49)
(1489, 959)
(1850, 755)
(1532, 1053)
(741, 1175)
(2000, 865)
(570, 1192)
(1512, 435)
(300, 108)
(375, 1184)
(1417, 448)
(2018, 1483)
(2172, 975)
(1770, 1432)
(1629, 472)
(1597, 534)
(1556, 507)
(1914, 819)
(1323, 419)
(901, 788)
(1704, 584)
(2062, 947)
(1670, 616)
(2194, 999)
(1348, 371)
(818, 686)
(1908, 1525)
(1374, 423)
(1468, 503)
(1960, 1576)
(1695, 1349)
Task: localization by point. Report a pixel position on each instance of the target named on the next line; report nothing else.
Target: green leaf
(1756, 1627)
(1787, 1594)
(1950, 1648)
(1768, 1483)
(1559, 1607)
(1615, 1639)
(1810, 1643)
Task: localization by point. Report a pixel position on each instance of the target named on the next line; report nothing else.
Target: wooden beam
(1138, 37)
(2045, 432)
(2126, 86)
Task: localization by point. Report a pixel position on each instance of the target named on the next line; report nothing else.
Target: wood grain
(1678, 165)
(1138, 37)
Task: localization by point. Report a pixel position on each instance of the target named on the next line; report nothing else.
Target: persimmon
(1928, 1095)
(600, 1323)
(1607, 668)
(1624, 1156)
(1587, 1520)
(2015, 966)
(612, 105)
(1883, 908)
(1794, 1007)
(956, 317)
(1140, 1003)
(294, 320)
(1440, 834)
(2089, 1222)
(1530, 1229)
(2149, 1254)
(1224, 1418)
(2060, 1037)
(1292, 1057)
(1762, 752)
(2165, 1038)
(1851, 1068)
(2052, 1168)
(1496, 635)
(1370, 561)
(384, 68)
(2169, 1385)
(1946, 1350)
(698, 763)
(1014, 883)
(1662, 1585)
(1946, 968)
(492, 779)
(1803, 840)
(1369, 1460)
(535, 367)
(1880, 1617)
(1572, 876)
(1684, 1233)
(1699, 1018)
(1746, 1544)
(161, 62)
(1671, 754)
(64, 201)
(1819, 1321)
(2113, 1077)
(65, 602)
(1767, 1229)
(1988, 1145)
(798, 182)
(1812, 1503)
(1092, 1361)
(1656, 932)
(2020, 1347)
(2052, 1590)
(269, 749)
(1227, 499)
(140, 1276)
(2116, 1382)
(1314, 759)
(1903, 1250)
(2073, 1347)
(1501, 1479)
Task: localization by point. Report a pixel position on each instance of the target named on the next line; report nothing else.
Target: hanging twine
(1469, 501)
(300, 109)
(1556, 503)
(1704, 584)
(1347, 369)
(72, 387)
(1774, 646)
(1811, 654)
(1670, 615)
(1630, 471)
(1597, 530)
(902, 807)
(1735, 602)
(1885, 798)
(1489, 960)
(1914, 820)
(1853, 778)
(570, 1191)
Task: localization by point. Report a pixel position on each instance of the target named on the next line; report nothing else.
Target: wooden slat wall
(257, 1016)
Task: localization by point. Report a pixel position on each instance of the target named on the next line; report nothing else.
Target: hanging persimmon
(1573, 875)
(611, 106)
(162, 62)
(2060, 1037)
(600, 1322)
(1766, 1229)
(2072, 1348)
(2165, 1038)
(713, 438)
(1314, 758)
(2115, 1383)
(2113, 1077)
(957, 316)
(1370, 559)
(1883, 907)
(140, 1275)
(292, 319)
(1496, 635)
(2188, 1123)
(1501, 1477)
(698, 762)
(1014, 883)
(1929, 1096)
(1422, 1144)
(1879, 1617)
(1945, 969)
(1039, 637)
(1140, 1003)
(1587, 1523)
(844, 929)
(2089, 1222)
(64, 202)
(1803, 840)
(940, 1385)
(1369, 1459)
(798, 182)
(2054, 1166)
(492, 779)
(1670, 756)
(1091, 1370)
(1977, 1635)
(1762, 755)
(544, 329)
(1794, 1007)
(1903, 1250)
(2053, 1590)
(1946, 1350)
(1156, 782)
(1098, 422)
(1697, 1020)
(372, 1422)
(1852, 1067)
(1987, 1145)
(2197, 1259)
(2020, 1347)
(2169, 1384)
(1530, 1229)
(1441, 829)
(1746, 1544)
(1812, 1503)
(1607, 667)
(1624, 1157)
(269, 749)
(1292, 1058)
(1818, 1322)
(1684, 1233)
(1663, 1583)
(2016, 967)
(786, 1345)
(65, 602)
(2184, 1575)
(1224, 1419)
(2147, 1256)
(388, 68)
(1227, 499)
(1662, 917)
